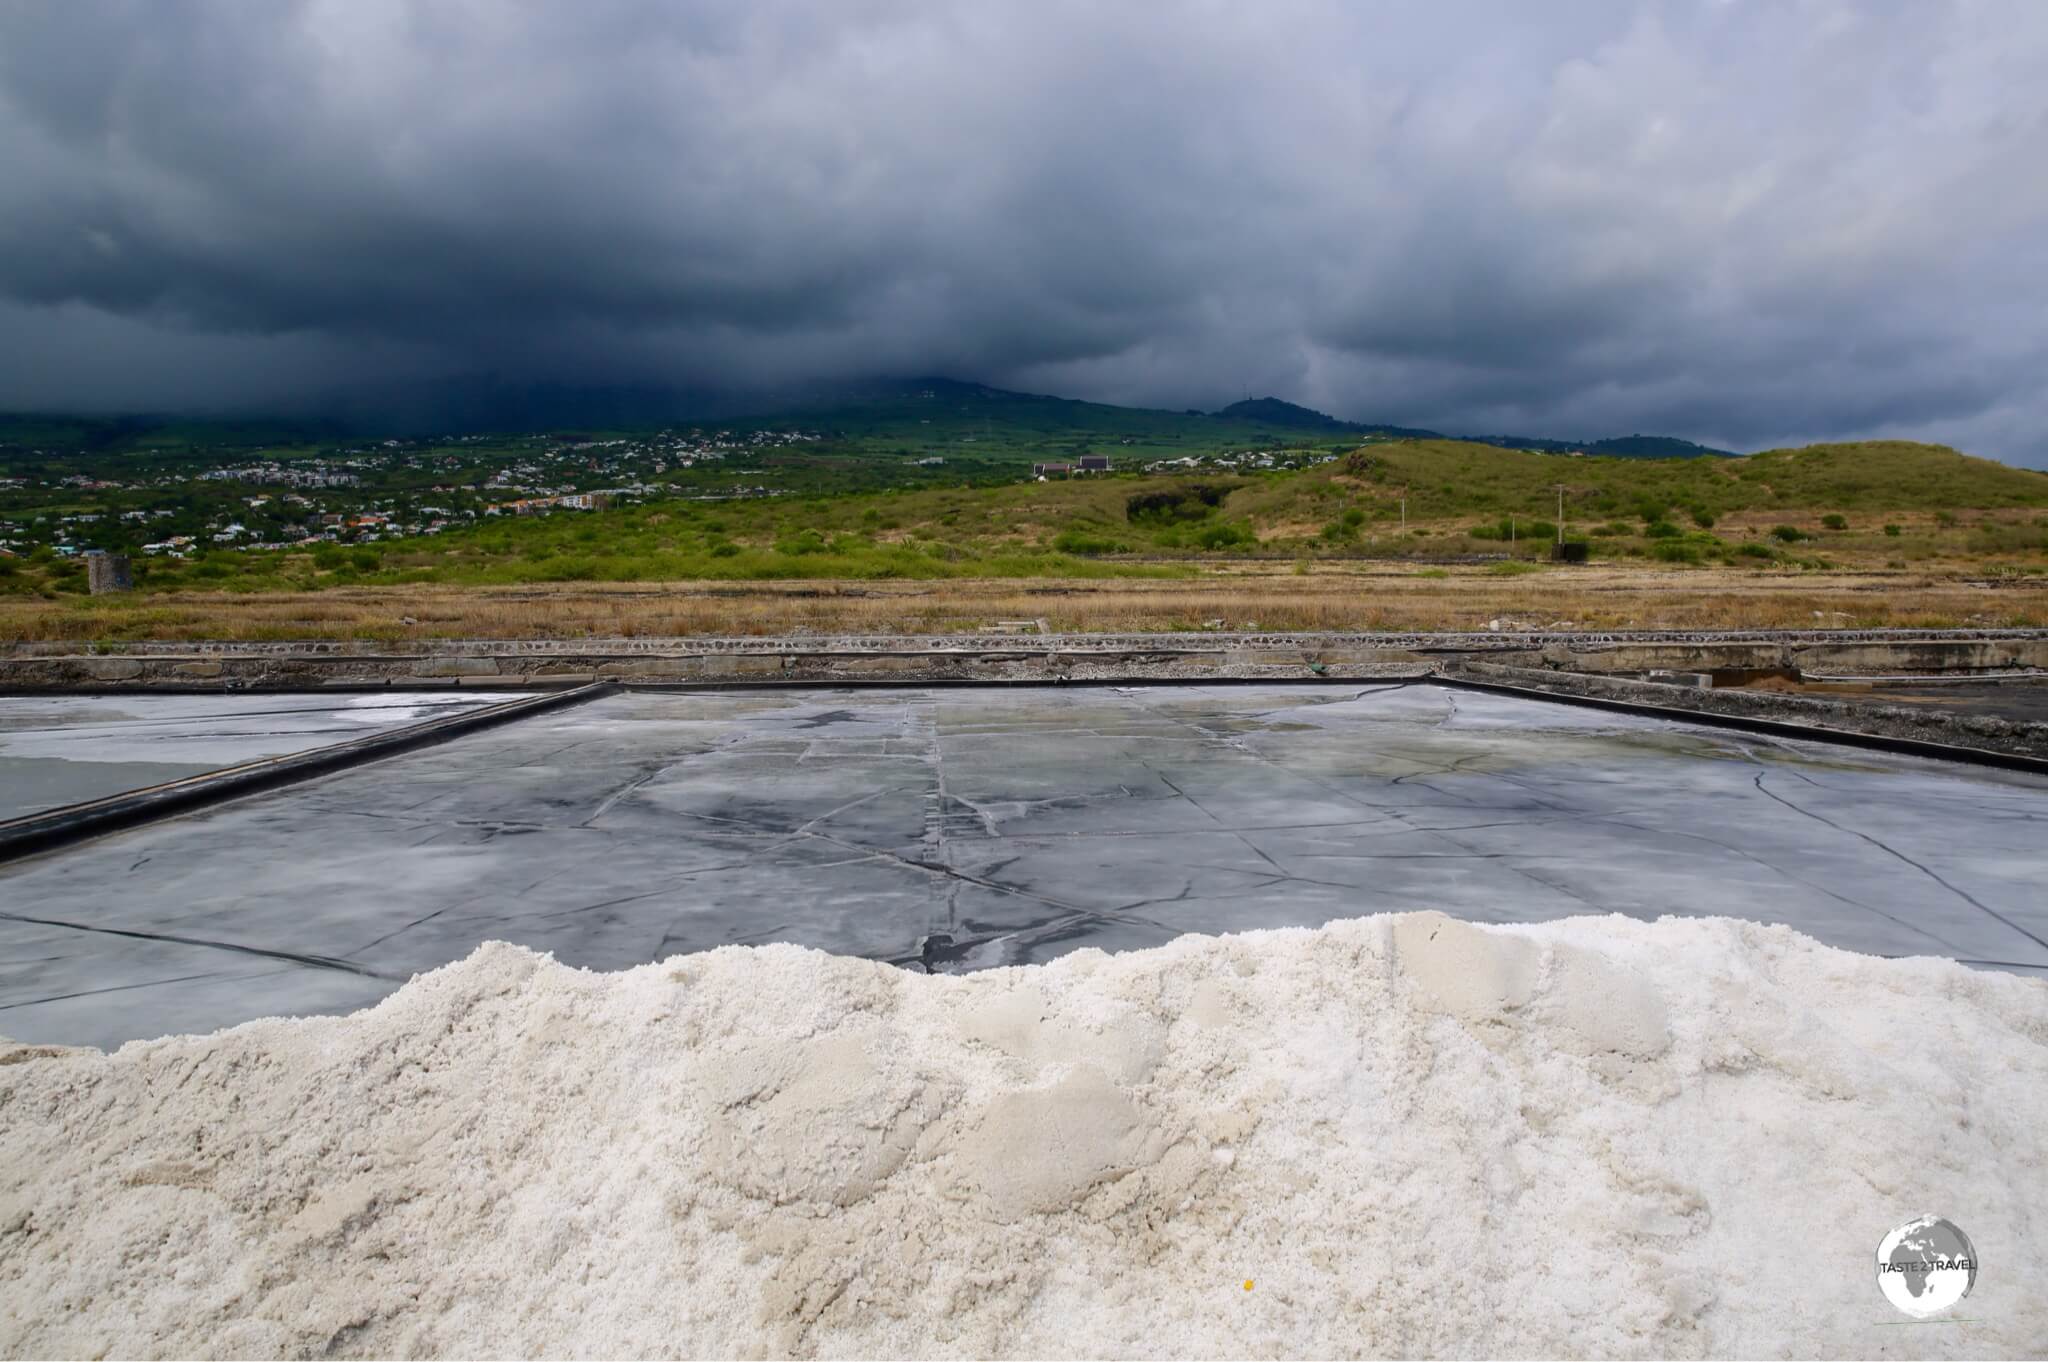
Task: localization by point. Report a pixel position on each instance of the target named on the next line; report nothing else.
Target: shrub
(796, 545)
(1675, 553)
(1835, 520)
(1702, 518)
(1174, 505)
(1225, 536)
(1892, 531)
(1518, 530)
(1757, 551)
(568, 570)
(1662, 529)
(1083, 544)
(1787, 534)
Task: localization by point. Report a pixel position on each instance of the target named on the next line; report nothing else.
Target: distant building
(575, 501)
(1052, 470)
(1094, 463)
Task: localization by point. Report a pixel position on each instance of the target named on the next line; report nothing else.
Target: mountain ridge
(1276, 411)
(481, 403)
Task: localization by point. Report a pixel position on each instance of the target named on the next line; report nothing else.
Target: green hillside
(1271, 411)
(938, 415)
(126, 435)
(1808, 508)
(986, 428)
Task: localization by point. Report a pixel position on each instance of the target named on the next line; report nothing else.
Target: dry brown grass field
(1264, 596)
(1396, 536)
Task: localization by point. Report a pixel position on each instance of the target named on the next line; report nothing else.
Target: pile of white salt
(1393, 1135)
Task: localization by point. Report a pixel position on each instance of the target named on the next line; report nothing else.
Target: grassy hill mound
(1446, 478)
(1654, 447)
(1273, 411)
(1887, 474)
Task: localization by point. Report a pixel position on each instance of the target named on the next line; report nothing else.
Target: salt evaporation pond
(65, 749)
(954, 830)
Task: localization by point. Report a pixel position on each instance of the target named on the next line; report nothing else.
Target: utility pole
(1404, 510)
(1560, 513)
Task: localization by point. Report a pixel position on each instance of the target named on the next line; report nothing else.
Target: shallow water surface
(64, 749)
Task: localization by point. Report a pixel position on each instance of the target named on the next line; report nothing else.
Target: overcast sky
(1747, 224)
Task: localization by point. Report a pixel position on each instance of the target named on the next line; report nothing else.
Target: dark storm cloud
(1745, 224)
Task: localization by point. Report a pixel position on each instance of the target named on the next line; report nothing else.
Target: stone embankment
(1602, 668)
(1868, 716)
(499, 663)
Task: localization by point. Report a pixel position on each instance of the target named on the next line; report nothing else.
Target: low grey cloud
(1745, 224)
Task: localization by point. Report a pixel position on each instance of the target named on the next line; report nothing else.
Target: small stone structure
(106, 572)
